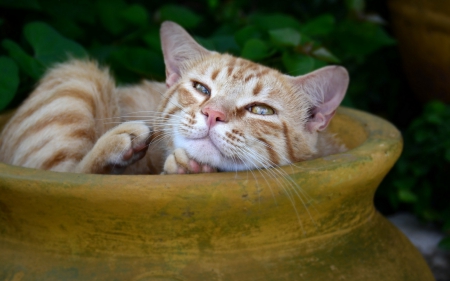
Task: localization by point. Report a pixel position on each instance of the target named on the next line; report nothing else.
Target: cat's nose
(213, 116)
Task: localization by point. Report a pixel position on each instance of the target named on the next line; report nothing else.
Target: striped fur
(77, 120)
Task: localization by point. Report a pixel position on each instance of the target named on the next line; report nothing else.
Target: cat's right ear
(178, 47)
(326, 89)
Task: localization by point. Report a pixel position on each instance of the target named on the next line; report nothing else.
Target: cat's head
(235, 114)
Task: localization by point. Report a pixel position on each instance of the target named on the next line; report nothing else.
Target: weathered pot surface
(225, 226)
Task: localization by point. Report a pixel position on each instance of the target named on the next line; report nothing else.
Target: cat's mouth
(206, 150)
(211, 146)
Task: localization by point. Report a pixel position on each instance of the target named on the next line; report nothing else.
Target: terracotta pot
(225, 226)
(422, 28)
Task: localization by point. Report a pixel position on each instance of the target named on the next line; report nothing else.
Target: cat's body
(214, 112)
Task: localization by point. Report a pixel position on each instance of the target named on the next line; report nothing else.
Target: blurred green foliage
(295, 37)
(418, 181)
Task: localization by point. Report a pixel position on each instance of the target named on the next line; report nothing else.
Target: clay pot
(422, 28)
(312, 221)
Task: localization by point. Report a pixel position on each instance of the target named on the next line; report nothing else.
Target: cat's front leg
(179, 162)
(117, 149)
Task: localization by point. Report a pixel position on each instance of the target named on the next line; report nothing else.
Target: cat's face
(234, 114)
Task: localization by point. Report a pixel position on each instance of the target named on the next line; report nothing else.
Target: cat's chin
(206, 152)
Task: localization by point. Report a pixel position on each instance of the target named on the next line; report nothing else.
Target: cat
(215, 112)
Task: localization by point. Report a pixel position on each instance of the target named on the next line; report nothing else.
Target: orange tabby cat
(215, 112)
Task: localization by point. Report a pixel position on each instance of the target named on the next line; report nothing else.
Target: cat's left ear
(178, 47)
(326, 88)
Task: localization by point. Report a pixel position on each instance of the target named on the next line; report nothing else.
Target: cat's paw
(117, 149)
(179, 163)
(129, 143)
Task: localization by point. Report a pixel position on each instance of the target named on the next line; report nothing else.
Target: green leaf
(434, 119)
(320, 26)
(49, 46)
(435, 107)
(275, 21)
(206, 43)
(361, 38)
(181, 15)
(213, 4)
(356, 5)
(68, 28)
(70, 10)
(445, 243)
(404, 183)
(136, 15)
(407, 196)
(27, 63)
(102, 53)
(246, 33)
(152, 39)
(285, 37)
(325, 55)
(421, 135)
(416, 125)
(419, 169)
(255, 49)
(220, 43)
(110, 12)
(9, 81)
(427, 214)
(299, 64)
(141, 61)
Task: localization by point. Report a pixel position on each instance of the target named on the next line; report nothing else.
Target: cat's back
(56, 125)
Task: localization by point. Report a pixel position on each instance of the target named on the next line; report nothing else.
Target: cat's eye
(261, 109)
(201, 88)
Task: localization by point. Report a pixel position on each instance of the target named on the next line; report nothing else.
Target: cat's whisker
(155, 130)
(131, 115)
(278, 170)
(271, 147)
(145, 111)
(246, 152)
(235, 160)
(149, 116)
(163, 118)
(161, 134)
(147, 122)
(291, 188)
(161, 137)
(174, 103)
(260, 164)
(250, 169)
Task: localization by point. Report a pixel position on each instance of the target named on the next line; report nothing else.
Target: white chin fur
(207, 153)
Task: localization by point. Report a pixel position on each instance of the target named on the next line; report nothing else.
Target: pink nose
(214, 116)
